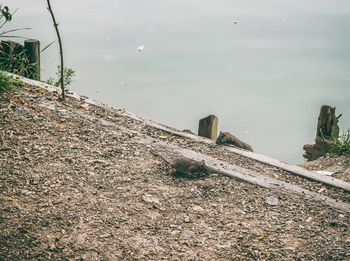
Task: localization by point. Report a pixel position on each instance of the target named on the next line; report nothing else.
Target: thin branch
(60, 44)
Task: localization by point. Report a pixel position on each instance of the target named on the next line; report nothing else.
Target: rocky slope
(76, 188)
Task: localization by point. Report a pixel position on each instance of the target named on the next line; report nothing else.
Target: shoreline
(294, 168)
(78, 181)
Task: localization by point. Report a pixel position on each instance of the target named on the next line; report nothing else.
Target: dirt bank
(72, 189)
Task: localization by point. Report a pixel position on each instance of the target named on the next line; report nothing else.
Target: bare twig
(60, 44)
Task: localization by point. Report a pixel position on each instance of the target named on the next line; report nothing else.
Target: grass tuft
(8, 84)
(340, 145)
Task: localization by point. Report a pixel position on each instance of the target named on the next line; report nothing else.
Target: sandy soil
(73, 190)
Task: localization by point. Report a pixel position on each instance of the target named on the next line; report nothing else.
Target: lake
(263, 67)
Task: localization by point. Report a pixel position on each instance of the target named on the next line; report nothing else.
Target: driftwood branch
(55, 24)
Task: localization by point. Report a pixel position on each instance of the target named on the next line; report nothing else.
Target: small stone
(174, 232)
(187, 233)
(197, 208)
(321, 190)
(272, 201)
(21, 112)
(308, 220)
(85, 106)
(150, 199)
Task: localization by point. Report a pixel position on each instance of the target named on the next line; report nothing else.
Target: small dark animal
(228, 138)
(189, 168)
(186, 167)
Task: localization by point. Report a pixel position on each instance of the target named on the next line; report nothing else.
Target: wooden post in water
(327, 128)
(33, 53)
(327, 124)
(208, 127)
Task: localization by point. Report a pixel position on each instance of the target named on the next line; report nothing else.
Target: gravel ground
(340, 165)
(72, 190)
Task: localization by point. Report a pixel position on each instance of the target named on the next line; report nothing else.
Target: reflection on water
(264, 68)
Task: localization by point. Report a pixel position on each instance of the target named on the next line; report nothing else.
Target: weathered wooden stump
(327, 128)
(319, 149)
(327, 124)
(208, 127)
(32, 48)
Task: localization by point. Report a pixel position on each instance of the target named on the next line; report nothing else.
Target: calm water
(263, 67)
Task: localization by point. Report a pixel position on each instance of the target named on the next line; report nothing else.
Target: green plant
(68, 75)
(8, 83)
(13, 58)
(5, 17)
(5, 13)
(340, 145)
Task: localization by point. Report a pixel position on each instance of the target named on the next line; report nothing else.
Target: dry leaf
(9, 198)
(18, 100)
(163, 137)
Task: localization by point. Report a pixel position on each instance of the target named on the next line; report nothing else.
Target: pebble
(272, 201)
(150, 199)
(187, 233)
(197, 208)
